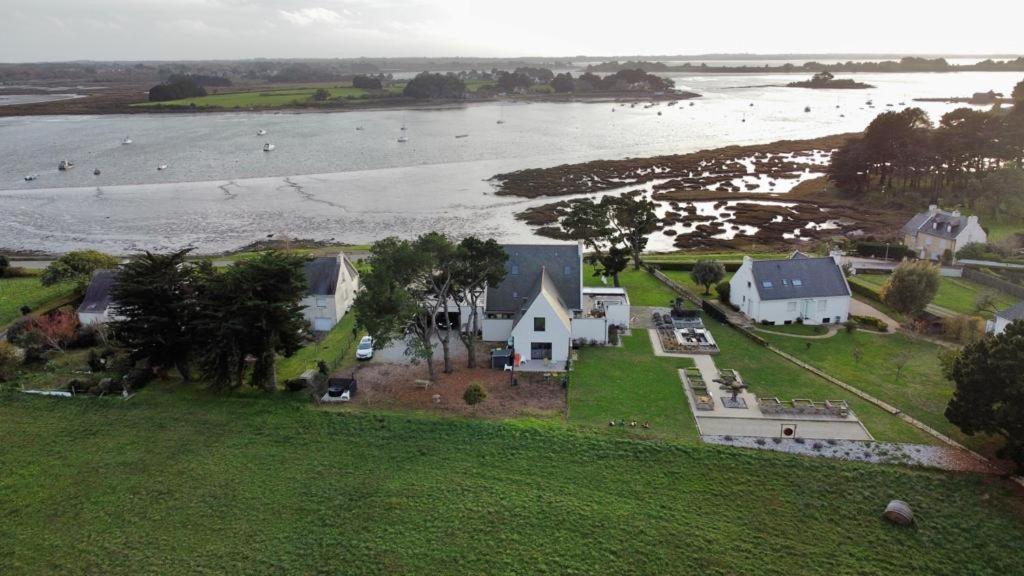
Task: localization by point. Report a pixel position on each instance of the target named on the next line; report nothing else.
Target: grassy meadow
(956, 294)
(181, 481)
(29, 291)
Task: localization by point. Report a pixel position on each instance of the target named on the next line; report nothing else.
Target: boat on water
(402, 138)
(359, 128)
(462, 135)
(261, 132)
(267, 147)
(807, 108)
(870, 103)
(501, 121)
(162, 167)
(96, 172)
(403, 128)
(659, 112)
(126, 141)
(31, 177)
(65, 165)
(691, 103)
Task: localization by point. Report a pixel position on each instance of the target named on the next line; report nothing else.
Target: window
(785, 282)
(798, 282)
(540, 350)
(538, 324)
(514, 268)
(748, 284)
(567, 271)
(766, 284)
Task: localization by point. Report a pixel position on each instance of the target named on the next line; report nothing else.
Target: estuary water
(346, 176)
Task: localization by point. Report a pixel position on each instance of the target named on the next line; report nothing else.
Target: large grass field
(180, 481)
(631, 383)
(18, 292)
(768, 374)
(956, 294)
(337, 349)
(643, 289)
(919, 389)
(271, 97)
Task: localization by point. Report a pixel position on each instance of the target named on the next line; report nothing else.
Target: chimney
(972, 220)
(955, 213)
(837, 256)
(933, 208)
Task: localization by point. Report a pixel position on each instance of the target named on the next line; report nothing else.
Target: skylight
(798, 282)
(766, 284)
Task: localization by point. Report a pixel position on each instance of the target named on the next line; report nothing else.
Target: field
(630, 383)
(18, 292)
(919, 389)
(768, 374)
(956, 294)
(273, 97)
(682, 277)
(180, 481)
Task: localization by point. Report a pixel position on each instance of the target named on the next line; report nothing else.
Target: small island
(826, 81)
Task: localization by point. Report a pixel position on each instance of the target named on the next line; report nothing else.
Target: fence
(994, 283)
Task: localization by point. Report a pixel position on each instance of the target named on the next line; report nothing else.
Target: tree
(610, 263)
(706, 273)
(4, 265)
(77, 267)
(911, 287)
(367, 82)
(10, 358)
(989, 393)
(427, 86)
(176, 88)
(154, 306)
(479, 264)
(634, 219)
(1018, 92)
(321, 95)
(58, 327)
(563, 83)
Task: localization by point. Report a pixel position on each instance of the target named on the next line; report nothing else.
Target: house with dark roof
(1004, 317)
(332, 283)
(541, 306)
(930, 234)
(800, 289)
(97, 306)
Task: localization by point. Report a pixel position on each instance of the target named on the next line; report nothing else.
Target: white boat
(65, 165)
(402, 138)
(268, 147)
(126, 141)
(162, 167)
(261, 132)
(31, 177)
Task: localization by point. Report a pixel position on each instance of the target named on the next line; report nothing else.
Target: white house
(1004, 317)
(799, 289)
(929, 234)
(97, 306)
(332, 283)
(542, 307)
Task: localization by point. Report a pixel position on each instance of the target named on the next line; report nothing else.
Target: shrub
(963, 329)
(4, 265)
(17, 272)
(294, 384)
(474, 394)
(10, 358)
(911, 287)
(850, 326)
(86, 336)
(817, 446)
(723, 288)
(613, 335)
(760, 442)
(871, 322)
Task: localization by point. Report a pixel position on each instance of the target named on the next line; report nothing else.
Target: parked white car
(365, 349)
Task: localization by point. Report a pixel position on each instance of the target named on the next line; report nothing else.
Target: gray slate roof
(322, 276)
(924, 223)
(97, 296)
(1012, 313)
(523, 271)
(799, 277)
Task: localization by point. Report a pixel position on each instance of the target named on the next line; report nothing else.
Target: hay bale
(899, 512)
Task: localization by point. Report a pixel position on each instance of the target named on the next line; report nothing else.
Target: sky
(55, 30)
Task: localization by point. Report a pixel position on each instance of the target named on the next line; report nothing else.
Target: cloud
(309, 16)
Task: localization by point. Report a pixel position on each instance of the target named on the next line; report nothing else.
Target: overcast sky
(35, 30)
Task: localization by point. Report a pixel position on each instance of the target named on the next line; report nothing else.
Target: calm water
(326, 179)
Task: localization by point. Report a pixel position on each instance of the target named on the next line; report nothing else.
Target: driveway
(858, 308)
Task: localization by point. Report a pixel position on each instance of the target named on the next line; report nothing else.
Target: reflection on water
(363, 184)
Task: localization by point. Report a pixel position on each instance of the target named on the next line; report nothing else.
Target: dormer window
(798, 282)
(766, 284)
(514, 268)
(567, 271)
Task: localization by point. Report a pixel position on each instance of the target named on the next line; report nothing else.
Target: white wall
(590, 329)
(779, 311)
(94, 318)
(495, 330)
(1000, 325)
(555, 330)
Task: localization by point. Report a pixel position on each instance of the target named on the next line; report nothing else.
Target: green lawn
(683, 278)
(956, 294)
(998, 231)
(630, 383)
(270, 98)
(180, 481)
(18, 292)
(691, 256)
(643, 289)
(338, 350)
(768, 374)
(919, 389)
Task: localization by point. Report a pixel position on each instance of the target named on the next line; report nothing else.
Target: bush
(723, 288)
(474, 394)
(895, 251)
(870, 322)
(613, 335)
(963, 329)
(294, 384)
(18, 272)
(850, 326)
(10, 358)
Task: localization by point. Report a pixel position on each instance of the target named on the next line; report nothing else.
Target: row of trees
(621, 81)
(180, 87)
(410, 284)
(903, 150)
(174, 314)
(427, 86)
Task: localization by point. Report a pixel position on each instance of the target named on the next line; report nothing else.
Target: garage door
(323, 324)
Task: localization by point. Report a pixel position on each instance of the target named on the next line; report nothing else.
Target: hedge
(880, 249)
(688, 266)
(865, 291)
